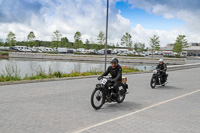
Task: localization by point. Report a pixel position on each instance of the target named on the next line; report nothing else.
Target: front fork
(157, 79)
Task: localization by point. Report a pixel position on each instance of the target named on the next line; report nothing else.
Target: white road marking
(135, 112)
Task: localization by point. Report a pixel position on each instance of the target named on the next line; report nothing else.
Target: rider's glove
(99, 78)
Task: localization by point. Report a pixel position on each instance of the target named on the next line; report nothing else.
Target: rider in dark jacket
(162, 66)
(115, 71)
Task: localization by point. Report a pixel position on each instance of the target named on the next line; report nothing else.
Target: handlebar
(106, 77)
(160, 70)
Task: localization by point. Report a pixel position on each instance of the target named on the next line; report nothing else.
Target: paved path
(64, 107)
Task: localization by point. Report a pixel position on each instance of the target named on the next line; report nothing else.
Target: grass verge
(11, 73)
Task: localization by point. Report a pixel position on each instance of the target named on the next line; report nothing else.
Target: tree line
(59, 41)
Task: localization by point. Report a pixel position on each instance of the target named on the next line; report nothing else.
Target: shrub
(57, 74)
(127, 69)
(4, 53)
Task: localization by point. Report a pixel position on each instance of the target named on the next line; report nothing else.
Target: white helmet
(161, 60)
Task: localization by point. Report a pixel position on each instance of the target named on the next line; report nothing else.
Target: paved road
(192, 59)
(64, 107)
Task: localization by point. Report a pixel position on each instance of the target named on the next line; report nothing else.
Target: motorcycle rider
(115, 71)
(162, 66)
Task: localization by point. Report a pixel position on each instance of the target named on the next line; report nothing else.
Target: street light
(106, 34)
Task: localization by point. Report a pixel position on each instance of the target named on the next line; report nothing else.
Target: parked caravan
(62, 50)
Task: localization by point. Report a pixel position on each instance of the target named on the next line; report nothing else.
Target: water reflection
(30, 67)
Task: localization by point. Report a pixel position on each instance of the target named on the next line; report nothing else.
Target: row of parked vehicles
(61, 50)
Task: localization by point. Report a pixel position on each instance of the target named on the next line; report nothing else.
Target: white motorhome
(23, 48)
(62, 50)
(91, 50)
(122, 51)
(46, 49)
(4, 48)
(80, 49)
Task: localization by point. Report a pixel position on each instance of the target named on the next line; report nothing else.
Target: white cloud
(89, 17)
(67, 16)
(185, 10)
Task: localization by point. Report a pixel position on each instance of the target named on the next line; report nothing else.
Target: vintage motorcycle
(104, 92)
(157, 78)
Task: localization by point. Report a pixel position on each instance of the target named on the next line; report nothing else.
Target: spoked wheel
(97, 99)
(121, 95)
(153, 83)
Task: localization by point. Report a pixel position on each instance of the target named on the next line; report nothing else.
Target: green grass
(4, 78)
(4, 53)
(11, 73)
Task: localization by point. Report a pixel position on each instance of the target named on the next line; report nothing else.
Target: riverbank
(4, 55)
(97, 58)
(12, 74)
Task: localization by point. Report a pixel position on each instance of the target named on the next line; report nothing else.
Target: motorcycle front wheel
(97, 99)
(153, 83)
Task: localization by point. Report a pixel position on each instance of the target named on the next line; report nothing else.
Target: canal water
(31, 67)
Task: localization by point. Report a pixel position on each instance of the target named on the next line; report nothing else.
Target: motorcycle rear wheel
(97, 99)
(122, 95)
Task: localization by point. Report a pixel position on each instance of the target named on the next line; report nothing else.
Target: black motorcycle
(104, 92)
(157, 78)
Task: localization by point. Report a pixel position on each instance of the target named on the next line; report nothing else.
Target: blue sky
(146, 19)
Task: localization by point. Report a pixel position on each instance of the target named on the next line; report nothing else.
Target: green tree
(126, 39)
(101, 38)
(65, 42)
(31, 39)
(117, 44)
(77, 36)
(11, 39)
(78, 43)
(180, 43)
(35, 44)
(136, 47)
(87, 41)
(139, 47)
(87, 44)
(154, 44)
(56, 37)
(31, 36)
(1, 42)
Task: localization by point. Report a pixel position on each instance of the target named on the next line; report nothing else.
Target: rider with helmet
(115, 71)
(162, 66)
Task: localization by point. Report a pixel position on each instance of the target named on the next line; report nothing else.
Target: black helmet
(114, 60)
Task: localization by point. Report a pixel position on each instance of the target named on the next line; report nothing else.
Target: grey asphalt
(64, 106)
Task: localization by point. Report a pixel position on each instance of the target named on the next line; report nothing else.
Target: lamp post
(106, 34)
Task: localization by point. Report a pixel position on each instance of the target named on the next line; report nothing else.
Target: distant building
(166, 48)
(192, 50)
(193, 44)
(170, 45)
